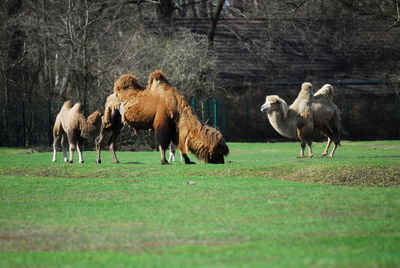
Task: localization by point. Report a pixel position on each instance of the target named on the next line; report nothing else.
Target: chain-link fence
(367, 114)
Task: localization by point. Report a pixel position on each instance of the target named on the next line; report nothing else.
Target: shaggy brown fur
(111, 124)
(304, 115)
(126, 87)
(72, 125)
(205, 142)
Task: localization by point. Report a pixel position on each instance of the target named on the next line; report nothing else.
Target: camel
(159, 107)
(144, 109)
(308, 112)
(205, 142)
(72, 127)
(126, 85)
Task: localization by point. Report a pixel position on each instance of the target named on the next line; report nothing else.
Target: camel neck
(284, 125)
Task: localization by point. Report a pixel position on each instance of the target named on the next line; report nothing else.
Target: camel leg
(56, 140)
(184, 153)
(79, 146)
(325, 152)
(337, 143)
(116, 127)
(164, 133)
(303, 147)
(171, 153)
(98, 142)
(112, 146)
(187, 159)
(163, 158)
(71, 152)
(310, 152)
(64, 145)
(72, 140)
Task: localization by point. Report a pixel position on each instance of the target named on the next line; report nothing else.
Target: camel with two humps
(308, 112)
(71, 128)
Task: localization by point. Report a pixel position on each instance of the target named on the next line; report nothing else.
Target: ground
(263, 207)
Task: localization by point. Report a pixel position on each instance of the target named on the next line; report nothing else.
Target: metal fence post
(194, 105)
(49, 122)
(215, 111)
(23, 125)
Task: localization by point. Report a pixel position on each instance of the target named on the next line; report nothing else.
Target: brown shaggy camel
(308, 112)
(146, 110)
(72, 127)
(112, 121)
(205, 142)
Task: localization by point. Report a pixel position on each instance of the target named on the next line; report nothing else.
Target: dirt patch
(384, 146)
(27, 151)
(371, 176)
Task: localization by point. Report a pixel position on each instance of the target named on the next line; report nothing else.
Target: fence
(366, 115)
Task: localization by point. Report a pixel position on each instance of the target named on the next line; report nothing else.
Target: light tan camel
(308, 112)
(72, 127)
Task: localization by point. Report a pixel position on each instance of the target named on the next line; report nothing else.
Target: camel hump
(325, 93)
(157, 75)
(306, 86)
(67, 105)
(78, 107)
(126, 82)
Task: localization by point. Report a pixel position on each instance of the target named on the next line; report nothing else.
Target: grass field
(264, 207)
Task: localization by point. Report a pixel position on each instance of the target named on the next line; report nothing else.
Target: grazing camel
(205, 142)
(72, 127)
(308, 112)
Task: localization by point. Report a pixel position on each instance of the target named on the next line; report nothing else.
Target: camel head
(93, 124)
(216, 155)
(274, 103)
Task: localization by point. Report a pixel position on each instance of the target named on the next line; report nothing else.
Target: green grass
(264, 207)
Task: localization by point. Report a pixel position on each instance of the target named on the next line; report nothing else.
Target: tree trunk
(213, 23)
(165, 11)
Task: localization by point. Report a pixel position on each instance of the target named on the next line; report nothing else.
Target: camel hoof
(310, 155)
(81, 161)
(300, 156)
(324, 154)
(54, 160)
(70, 161)
(116, 162)
(98, 161)
(164, 162)
(190, 163)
